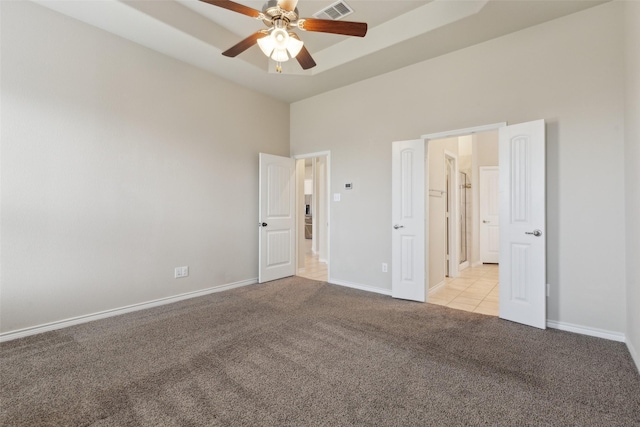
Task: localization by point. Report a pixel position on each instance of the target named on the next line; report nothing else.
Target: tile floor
(475, 289)
(313, 268)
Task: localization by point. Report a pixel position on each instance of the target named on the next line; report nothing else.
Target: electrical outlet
(180, 272)
(385, 267)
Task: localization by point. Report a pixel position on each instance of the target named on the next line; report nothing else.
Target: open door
(277, 218)
(407, 216)
(522, 224)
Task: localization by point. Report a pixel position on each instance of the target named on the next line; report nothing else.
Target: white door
(407, 220)
(522, 226)
(277, 218)
(489, 215)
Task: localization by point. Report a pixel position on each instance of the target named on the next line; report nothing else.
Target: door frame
(296, 157)
(443, 135)
(418, 262)
(452, 266)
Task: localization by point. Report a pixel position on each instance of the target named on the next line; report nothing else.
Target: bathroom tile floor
(313, 268)
(475, 289)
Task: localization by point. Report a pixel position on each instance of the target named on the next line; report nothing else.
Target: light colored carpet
(305, 353)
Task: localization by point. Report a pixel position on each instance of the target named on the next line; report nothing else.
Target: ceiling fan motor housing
(272, 12)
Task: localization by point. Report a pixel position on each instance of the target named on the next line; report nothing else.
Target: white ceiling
(400, 33)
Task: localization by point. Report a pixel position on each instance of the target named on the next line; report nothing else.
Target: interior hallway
(313, 268)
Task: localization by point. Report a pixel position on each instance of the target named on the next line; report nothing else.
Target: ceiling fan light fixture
(267, 45)
(294, 46)
(280, 46)
(280, 38)
(280, 55)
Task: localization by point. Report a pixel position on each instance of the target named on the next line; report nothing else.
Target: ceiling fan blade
(305, 60)
(244, 44)
(236, 7)
(346, 28)
(288, 5)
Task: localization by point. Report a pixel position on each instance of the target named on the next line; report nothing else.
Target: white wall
(119, 164)
(632, 181)
(561, 71)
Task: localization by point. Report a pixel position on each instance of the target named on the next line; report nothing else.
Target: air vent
(334, 12)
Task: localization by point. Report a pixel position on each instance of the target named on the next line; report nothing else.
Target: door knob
(398, 226)
(262, 224)
(484, 221)
(536, 233)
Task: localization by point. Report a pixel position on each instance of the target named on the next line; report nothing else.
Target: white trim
(21, 333)
(634, 354)
(584, 330)
(463, 265)
(312, 155)
(436, 287)
(452, 198)
(463, 132)
(360, 287)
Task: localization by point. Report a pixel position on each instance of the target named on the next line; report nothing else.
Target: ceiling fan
(278, 42)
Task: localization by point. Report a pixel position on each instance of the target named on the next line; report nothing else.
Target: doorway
(464, 283)
(312, 212)
(522, 270)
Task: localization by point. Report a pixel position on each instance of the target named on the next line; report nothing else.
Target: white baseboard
(634, 355)
(592, 332)
(21, 333)
(360, 287)
(438, 286)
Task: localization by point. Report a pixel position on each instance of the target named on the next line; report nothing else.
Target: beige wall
(119, 164)
(486, 145)
(632, 181)
(562, 71)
